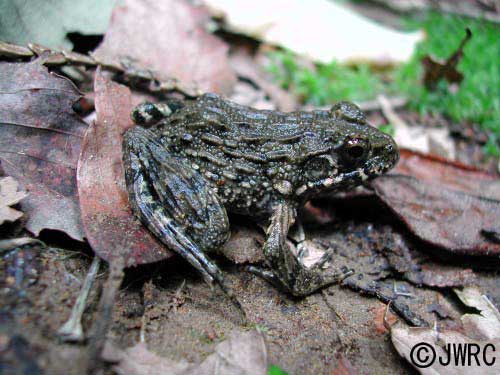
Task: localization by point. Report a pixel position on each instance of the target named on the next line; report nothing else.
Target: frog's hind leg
(175, 203)
(286, 269)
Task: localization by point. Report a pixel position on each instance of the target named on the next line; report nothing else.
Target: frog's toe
(291, 273)
(267, 275)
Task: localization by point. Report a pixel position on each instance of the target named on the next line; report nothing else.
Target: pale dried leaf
(334, 32)
(242, 354)
(485, 325)
(405, 338)
(478, 329)
(9, 195)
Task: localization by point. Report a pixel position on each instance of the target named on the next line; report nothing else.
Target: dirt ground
(185, 319)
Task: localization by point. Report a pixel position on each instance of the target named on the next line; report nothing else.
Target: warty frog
(193, 162)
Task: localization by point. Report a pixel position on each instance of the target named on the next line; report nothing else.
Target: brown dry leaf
(242, 354)
(435, 341)
(435, 71)
(450, 219)
(170, 38)
(9, 196)
(112, 230)
(449, 174)
(40, 138)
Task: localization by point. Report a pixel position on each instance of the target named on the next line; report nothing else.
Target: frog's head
(354, 152)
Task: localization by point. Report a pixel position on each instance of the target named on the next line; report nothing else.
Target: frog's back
(246, 153)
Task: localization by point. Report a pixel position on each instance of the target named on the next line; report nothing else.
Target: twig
(374, 105)
(104, 316)
(72, 330)
(389, 113)
(148, 78)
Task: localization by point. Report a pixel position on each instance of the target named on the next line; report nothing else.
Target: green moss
(478, 96)
(326, 83)
(275, 370)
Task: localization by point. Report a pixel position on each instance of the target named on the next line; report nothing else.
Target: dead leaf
(112, 230)
(435, 71)
(435, 341)
(9, 196)
(275, 22)
(241, 354)
(486, 324)
(40, 138)
(170, 38)
(406, 338)
(446, 218)
(449, 174)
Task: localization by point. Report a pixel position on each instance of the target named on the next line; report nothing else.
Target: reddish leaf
(40, 138)
(112, 230)
(170, 38)
(450, 219)
(449, 174)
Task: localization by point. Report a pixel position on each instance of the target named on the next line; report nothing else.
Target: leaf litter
(392, 252)
(243, 353)
(176, 43)
(40, 137)
(446, 204)
(112, 230)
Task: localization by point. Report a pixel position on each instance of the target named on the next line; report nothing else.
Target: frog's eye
(318, 167)
(355, 150)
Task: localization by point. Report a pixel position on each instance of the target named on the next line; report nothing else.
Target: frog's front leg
(286, 268)
(175, 203)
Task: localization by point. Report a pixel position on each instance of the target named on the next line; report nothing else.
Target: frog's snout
(387, 152)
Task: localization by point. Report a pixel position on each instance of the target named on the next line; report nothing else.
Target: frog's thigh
(295, 277)
(174, 202)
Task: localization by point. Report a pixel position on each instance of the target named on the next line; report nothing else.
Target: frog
(190, 163)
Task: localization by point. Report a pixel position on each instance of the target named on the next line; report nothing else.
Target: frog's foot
(286, 268)
(147, 113)
(175, 203)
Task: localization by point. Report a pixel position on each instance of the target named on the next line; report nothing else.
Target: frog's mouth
(374, 167)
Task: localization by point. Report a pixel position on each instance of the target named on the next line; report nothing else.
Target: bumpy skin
(204, 158)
